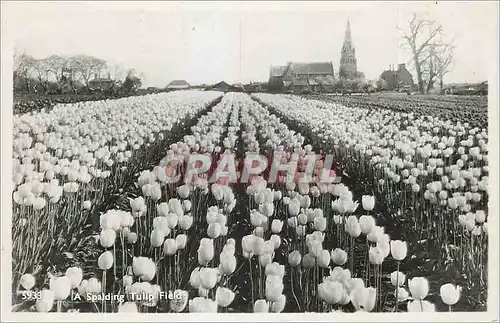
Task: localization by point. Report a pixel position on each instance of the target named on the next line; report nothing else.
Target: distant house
(253, 87)
(73, 87)
(466, 88)
(178, 85)
(276, 74)
(398, 79)
(221, 86)
(316, 76)
(101, 84)
(238, 87)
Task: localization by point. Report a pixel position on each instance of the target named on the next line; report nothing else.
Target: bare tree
(87, 66)
(23, 68)
(57, 66)
(424, 38)
(444, 62)
(116, 72)
(72, 73)
(42, 73)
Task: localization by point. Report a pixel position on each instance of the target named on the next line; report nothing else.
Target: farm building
(253, 87)
(237, 87)
(397, 79)
(221, 86)
(466, 88)
(178, 85)
(101, 84)
(297, 77)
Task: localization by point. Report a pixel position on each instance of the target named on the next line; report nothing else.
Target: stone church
(314, 76)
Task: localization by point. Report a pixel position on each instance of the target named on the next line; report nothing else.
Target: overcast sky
(206, 42)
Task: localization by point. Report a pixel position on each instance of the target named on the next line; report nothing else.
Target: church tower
(348, 62)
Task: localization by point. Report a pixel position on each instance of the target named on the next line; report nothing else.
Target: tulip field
(200, 201)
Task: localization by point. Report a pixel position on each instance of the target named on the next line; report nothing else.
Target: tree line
(70, 74)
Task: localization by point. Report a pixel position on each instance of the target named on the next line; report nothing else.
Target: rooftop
(312, 68)
(178, 83)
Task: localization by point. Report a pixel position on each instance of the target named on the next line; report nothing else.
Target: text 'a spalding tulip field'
(99, 226)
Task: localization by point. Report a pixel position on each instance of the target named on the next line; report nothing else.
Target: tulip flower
(399, 249)
(339, 256)
(208, 278)
(183, 191)
(194, 279)
(353, 227)
(279, 305)
(419, 287)
(276, 240)
(261, 306)
(368, 202)
(320, 223)
(86, 205)
(308, 261)
(205, 251)
(275, 269)
(224, 296)
(181, 241)
(185, 222)
(376, 255)
(61, 287)
(402, 294)
(330, 291)
(276, 226)
(156, 238)
(366, 223)
(294, 258)
(46, 301)
(144, 267)
(227, 263)
(128, 307)
(480, 216)
(202, 305)
(170, 247)
(75, 275)
(450, 294)
(179, 301)
(132, 238)
(107, 238)
(214, 230)
(27, 281)
(398, 278)
(294, 207)
(105, 260)
(265, 259)
(127, 280)
(364, 298)
(162, 209)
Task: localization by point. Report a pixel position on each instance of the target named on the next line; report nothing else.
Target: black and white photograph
(243, 161)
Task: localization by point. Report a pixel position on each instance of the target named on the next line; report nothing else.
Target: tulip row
(160, 246)
(471, 110)
(55, 195)
(398, 155)
(289, 215)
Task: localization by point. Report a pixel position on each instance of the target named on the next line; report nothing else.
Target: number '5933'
(31, 295)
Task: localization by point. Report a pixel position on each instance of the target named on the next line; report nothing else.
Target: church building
(315, 76)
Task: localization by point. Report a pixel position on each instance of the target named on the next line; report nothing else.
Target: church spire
(348, 61)
(347, 38)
